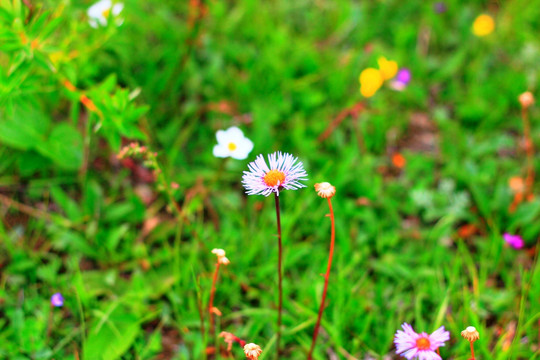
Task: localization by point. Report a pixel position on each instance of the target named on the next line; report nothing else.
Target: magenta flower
(422, 346)
(284, 172)
(514, 241)
(401, 80)
(57, 300)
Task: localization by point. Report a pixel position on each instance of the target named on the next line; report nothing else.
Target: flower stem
(50, 322)
(326, 277)
(211, 304)
(280, 288)
(529, 149)
(472, 351)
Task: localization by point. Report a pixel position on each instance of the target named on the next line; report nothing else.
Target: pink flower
(514, 241)
(422, 346)
(284, 172)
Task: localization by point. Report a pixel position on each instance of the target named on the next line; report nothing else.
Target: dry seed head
(223, 260)
(526, 99)
(471, 334)
(218, 252)
(252, 351)
(325, 190)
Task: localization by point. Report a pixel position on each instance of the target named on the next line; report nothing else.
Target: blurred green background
(420, 243)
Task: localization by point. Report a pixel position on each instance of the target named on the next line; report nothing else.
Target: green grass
(95, 229)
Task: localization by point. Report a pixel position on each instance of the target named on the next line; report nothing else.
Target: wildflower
(100, 12)
(471, 334)
(526, 99)
(232, 143)
(516, 184)
(399, 161)
(325, 190)
(212, 310)
(370, 81)
(514, 241)
(422, 346)
(402, 79)
(228, 338)
(440, 7)
(133, 149)
(220, 253)
(252, 351)
(388, 68)
(483, 25)
(57, 300)
(284, 172)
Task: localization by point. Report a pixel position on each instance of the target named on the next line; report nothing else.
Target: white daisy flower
(100, 12)
(231, 142)
(284, 172)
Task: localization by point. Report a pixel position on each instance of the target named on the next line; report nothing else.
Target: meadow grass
(128, 242)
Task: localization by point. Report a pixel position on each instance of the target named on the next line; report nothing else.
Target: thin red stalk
(326, 277)
(280, 288)
(529, 149)
(472, 351)
(354, 110)
(240, 342)
(211, 303)
(201, 312)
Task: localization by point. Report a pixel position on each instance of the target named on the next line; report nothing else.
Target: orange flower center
(106, 13)
(423, 344)
(231, 146)
(274, 177)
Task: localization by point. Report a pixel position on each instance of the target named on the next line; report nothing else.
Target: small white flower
(102, 10)
(231, 142)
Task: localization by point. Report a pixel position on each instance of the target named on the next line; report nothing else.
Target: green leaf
(64, 147)
(111, 336)
(24, 128)
(67, 204)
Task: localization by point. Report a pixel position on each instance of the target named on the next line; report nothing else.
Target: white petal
(243, 148)
(93, 23)
(234, 134)
(222, 138)
(117, 9)
(221, 151)
(98, 8)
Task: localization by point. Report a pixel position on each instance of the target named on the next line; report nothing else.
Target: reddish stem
(472, 351)
(529, 149)
(326, 277)
(354, 110)
(211, 302)
(240, 342)
(280, 288)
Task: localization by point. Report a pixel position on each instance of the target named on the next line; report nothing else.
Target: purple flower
(422, 346)
(285, 172)
(514, 241)
(57, 300)
(439, 7)
(401, 80)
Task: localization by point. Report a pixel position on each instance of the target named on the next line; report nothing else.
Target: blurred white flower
(99, 13)
(231, 142)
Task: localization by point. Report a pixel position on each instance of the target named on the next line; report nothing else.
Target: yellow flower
(483, 25)
(388, 68)
(370, 81)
